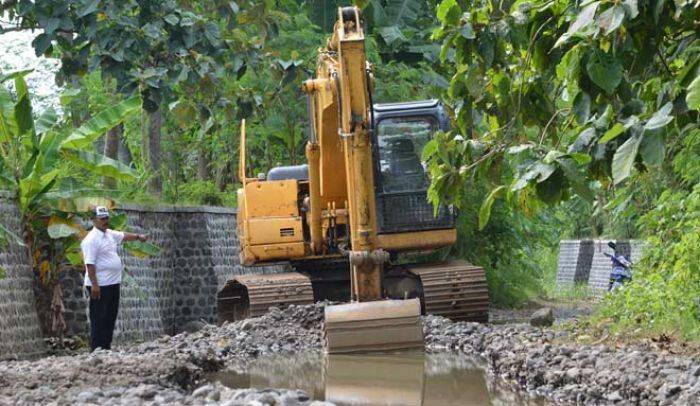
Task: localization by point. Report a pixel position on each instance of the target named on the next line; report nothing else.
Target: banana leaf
(96, 126)
(32, 188)
(118, 221)
(8, 126)
(68, 190)
(101, 165)
(23, 113)
(83, 204)
(60, 227)
(15, 74)
(46, 120)
(7, 235)
(142, 249)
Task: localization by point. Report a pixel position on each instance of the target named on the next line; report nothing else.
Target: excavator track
(456, 290)
(252, 295)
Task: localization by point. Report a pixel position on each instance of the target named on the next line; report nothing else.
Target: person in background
(621, 268)
(103, 276)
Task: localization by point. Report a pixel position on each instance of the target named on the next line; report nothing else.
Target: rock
(572, 374)
(614, 396)
(668, 390)
(202, 391)
(193, 326)
(695, 370)
(542, 318)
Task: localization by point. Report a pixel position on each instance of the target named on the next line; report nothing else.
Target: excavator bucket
(373, 326)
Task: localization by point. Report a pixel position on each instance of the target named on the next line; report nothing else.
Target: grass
(576, 291)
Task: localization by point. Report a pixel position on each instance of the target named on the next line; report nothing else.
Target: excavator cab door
(400, 131)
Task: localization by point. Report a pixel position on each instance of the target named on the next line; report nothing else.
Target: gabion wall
(198, 254)
(601, 266)
(20, 335)
(585, 262)
(574, 262)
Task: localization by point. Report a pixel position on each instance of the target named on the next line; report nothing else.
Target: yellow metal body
(269, 224)
(331, 212)
(340, 187)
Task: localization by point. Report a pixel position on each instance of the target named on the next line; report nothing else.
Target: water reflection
(375, 379)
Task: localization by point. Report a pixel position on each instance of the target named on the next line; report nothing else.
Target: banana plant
(43, 163)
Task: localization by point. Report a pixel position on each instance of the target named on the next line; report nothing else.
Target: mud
(173, 370)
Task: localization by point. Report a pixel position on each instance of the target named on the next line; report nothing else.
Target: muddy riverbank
(174, 370)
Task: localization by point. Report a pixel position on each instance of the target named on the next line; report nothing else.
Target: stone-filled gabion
(20, 335)
(574, 262)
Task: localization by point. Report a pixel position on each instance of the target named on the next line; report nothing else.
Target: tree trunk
(154, 149)
(124, 151)
(79, 106)
(202, 163)
(222, 178)
(144, 138)
(112, 151)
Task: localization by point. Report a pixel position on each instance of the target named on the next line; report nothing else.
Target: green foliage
(549, 79)
(663, 296)
(517, 252)
(206, 193)
(593, 104)
(40, 161)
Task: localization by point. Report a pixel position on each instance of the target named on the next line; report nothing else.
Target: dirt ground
(565, 310)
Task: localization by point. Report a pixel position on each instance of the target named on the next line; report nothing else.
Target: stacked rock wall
(574, 262)
(601, 267)
(20, 334)
(159, 295)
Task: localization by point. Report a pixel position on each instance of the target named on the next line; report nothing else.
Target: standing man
(103, 275)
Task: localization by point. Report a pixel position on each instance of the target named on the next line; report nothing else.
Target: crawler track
(455, 289)
(252, 295)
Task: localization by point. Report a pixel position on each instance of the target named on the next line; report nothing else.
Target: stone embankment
(535, 360)
(171, 370)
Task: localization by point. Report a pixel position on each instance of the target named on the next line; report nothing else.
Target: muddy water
(375, 379)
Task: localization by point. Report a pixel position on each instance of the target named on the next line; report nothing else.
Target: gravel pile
(169, 370)
(172, 370)
(526, 358)
(148, 394)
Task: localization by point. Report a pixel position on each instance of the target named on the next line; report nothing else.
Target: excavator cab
(400, 131)
(339, 219)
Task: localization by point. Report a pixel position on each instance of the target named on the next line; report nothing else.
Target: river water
(411, 378)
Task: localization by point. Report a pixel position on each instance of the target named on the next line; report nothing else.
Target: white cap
(101, 212)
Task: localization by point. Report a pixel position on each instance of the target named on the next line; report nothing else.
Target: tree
(550, 95)
(596, 101)
(151, 48)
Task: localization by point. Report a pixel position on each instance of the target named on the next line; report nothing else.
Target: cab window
(401, 141)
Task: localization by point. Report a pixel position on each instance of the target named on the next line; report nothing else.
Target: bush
(664, 296)
(206, 193)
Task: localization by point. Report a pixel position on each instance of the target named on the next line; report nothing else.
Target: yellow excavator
(342, 219)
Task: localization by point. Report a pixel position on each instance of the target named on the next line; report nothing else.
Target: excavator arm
(342, 85)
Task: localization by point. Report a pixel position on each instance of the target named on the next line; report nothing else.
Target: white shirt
(100, 249)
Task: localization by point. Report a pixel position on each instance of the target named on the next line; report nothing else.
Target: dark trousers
(103, 316)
